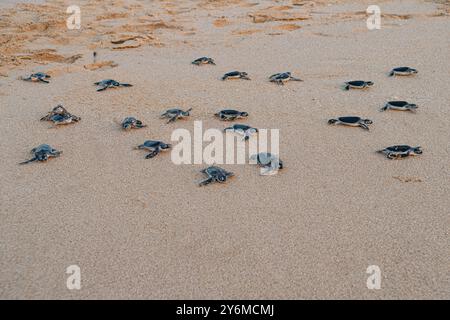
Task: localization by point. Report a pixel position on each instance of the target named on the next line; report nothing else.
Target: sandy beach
(141, 228)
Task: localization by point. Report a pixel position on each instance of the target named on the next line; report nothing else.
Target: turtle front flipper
(173, 119)
(152, 154)
(47, 117)
(125, 85)
(43, 80)
(347, 87)
(364, 126)
(386, 106)
(296, 79)
(28, 161)
(102, 88)
(205, 182)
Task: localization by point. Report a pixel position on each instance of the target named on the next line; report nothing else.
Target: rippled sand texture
(142, 229)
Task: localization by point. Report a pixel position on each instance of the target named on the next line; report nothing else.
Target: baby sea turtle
(174, 114)
(400, 105)
(42, 153)
(38, 77)
(358, 84)
(403, 71)
(215, 174)
(109, 83)
(236, 75)
(281, 78)
(59, 109)
(242, 129)
(59, 116)
(132, 123)
(203, 60)
(230, 115)
(400, 151)
(269, 163)
(351, 121)
(154, 147)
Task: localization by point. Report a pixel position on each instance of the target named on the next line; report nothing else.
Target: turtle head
(369, 83)
(42, 156)
(244, 114)
(412, 106)
(126, 125)
(412, 70)
(187, 112)
(367, 121)
(417, 150)
(221, 178)
(332, 121)
(165, 145)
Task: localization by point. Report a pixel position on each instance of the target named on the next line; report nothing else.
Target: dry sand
(142, 229)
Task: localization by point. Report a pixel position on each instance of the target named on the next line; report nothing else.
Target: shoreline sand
(142, 229)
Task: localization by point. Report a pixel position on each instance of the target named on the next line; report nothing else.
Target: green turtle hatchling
(154, 147)
(352, 121)
(203, 60)
(42, 153)
(236, 75)
(400, 151)
(174, 114)
(215, 174)
(132, 123)
(60, 116)
(357, 84)
(400, 105)
(403, 71)
(230, 115)
(269, 163)
(242, 129)
(109, 83)
(38, 77)
(281, 78)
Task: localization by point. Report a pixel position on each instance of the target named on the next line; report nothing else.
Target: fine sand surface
(142, 228)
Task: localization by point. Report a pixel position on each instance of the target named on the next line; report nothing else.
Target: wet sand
(142, 229)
